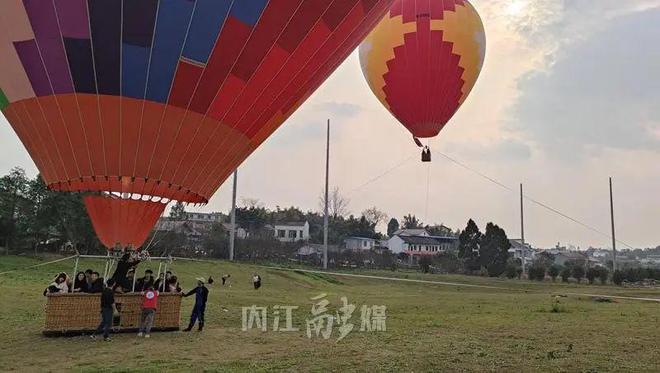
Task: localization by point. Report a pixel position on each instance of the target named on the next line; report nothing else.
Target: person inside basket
(201, 296)
(149, 306)
(108, 309)
(59, 285)
(173, 285)
(158, 284)
(144, 283)
(80, 283)
(88, 277)
(96, 283)
(124, 266)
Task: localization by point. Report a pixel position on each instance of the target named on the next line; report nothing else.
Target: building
(421, 245)
(240, 232)
(291, 231)
(411, 232)
(524, 252)
(210, 217)
(360, 243)
(564, 257)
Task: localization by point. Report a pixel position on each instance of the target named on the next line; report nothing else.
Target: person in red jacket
(149, 306)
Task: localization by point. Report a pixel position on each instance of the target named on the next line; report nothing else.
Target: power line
(383, 174)
(529, 198)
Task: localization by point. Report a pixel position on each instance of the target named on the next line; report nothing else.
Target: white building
(521, 251)
(420, 245)
(291, 231)
(360, 243)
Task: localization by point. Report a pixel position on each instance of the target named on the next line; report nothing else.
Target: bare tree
(251, 203)
(337, 203)
(374, 215)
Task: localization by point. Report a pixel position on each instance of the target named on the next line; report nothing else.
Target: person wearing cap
(201, 296)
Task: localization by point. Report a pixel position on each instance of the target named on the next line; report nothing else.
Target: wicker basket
(79, 313)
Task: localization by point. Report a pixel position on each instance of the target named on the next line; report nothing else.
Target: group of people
(123, 281)
(84, 282)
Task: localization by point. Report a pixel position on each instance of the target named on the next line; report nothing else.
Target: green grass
(515, 327)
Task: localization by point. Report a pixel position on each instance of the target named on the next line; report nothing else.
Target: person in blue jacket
(201, 296)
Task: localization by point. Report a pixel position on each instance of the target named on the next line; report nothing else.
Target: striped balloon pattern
(162, 99)
(423, 59)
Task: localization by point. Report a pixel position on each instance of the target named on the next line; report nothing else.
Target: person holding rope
(201, 296)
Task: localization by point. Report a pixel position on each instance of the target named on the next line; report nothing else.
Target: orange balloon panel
(422, 60)
(125, 222)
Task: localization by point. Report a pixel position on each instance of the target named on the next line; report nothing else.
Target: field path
(431, 282)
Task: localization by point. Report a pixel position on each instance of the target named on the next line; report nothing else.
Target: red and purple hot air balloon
(141, 102)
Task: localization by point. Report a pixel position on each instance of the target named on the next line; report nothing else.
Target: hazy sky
(569, 95)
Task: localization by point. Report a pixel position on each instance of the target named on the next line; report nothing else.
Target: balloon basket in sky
(143, 102)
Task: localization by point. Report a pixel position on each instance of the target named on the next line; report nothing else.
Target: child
(149, 306)
(201, 296)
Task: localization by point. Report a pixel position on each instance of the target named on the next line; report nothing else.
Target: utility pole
(325, 208)
(522, 228)
(232, 234)
(613, 235)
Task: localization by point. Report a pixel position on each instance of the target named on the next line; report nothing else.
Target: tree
(603, 274)
(578, 273)
(591, 275)
(178, 211)
(511, 270)
(536, 272)
(251, 203)
(374, 215)
(215, 242)
(13, 188)
(392, 227)
(554, 271)
(468, 245)
(565, 274)
(337, 203)
(411, 222)
(617, 277)
(494, 250)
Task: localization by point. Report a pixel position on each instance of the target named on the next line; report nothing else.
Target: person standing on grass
(256, 281)
(108, 309)
(149, 306)
(201, 296)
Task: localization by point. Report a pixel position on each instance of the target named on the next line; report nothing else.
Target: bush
(425, 263)
(565, 274)
(536, 272)
(511, 271)
(603, 274)
(592, 273)
(554, 271)
(617, 277)
(578, 273)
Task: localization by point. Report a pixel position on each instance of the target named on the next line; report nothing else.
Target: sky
(569, 95)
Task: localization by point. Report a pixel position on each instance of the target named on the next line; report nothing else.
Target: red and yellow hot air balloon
(142, 102)
(423, 59)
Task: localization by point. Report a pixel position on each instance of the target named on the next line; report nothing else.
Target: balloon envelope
(156, 99)
(423, 59)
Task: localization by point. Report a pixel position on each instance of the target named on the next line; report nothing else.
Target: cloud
(339, 109)
(507, 149)
(602, 92)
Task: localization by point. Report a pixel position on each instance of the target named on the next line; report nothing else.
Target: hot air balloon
(422, 60)
(141, 102)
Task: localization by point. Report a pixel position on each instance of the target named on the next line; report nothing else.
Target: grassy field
(429, 327)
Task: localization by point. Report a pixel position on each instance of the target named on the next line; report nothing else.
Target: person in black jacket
(108, 309)
(96, 283)
(124, 265)
(143, 283)
(80, 283)
(201, 296)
